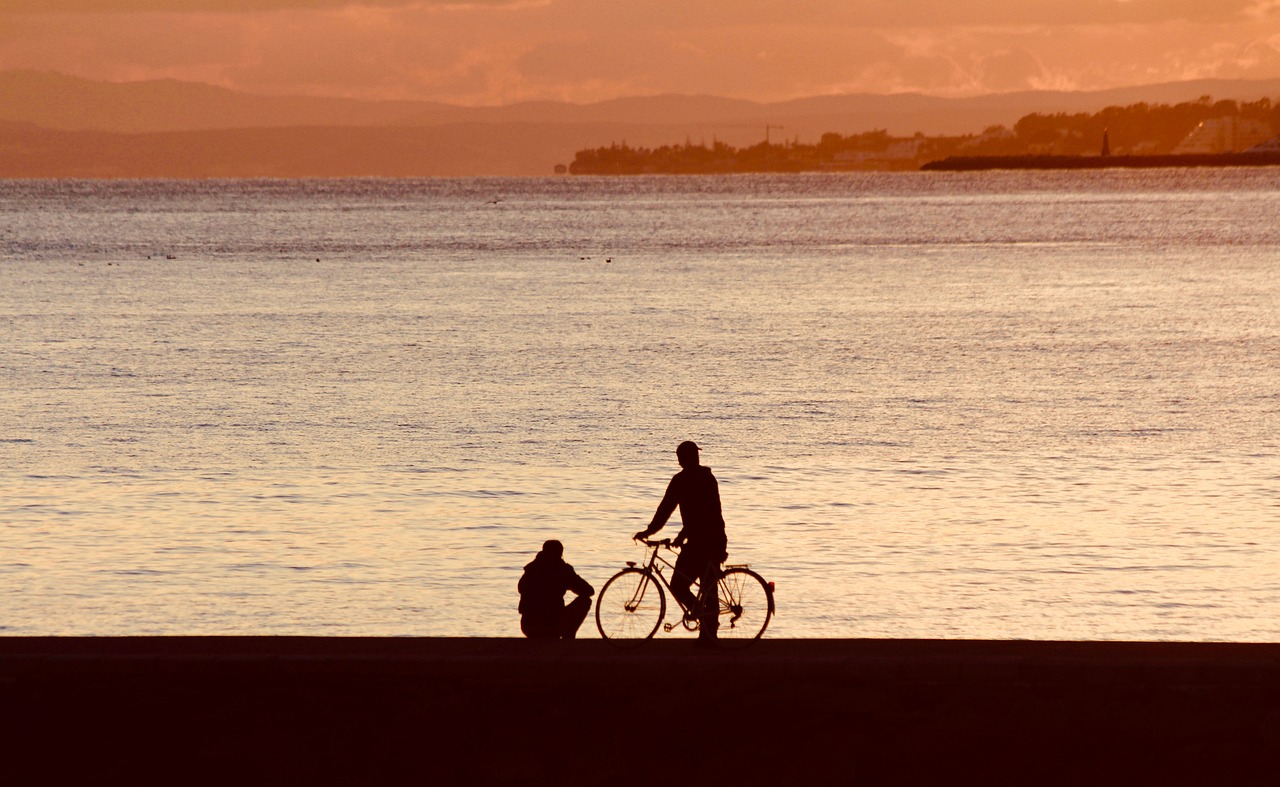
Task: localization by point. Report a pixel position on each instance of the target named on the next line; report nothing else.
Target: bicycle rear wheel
(746, 606)
(630, 607)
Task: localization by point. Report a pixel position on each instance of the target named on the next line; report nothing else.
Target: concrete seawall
(506, 711)
(976, 163)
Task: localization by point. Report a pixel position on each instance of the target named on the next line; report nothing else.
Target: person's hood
(543, 561)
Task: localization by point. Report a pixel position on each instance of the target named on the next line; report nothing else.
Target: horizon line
(654, 96)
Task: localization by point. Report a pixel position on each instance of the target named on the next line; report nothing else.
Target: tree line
(1137, 129)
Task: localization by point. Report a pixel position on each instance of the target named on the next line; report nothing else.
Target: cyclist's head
(553, 548)
(687, 454)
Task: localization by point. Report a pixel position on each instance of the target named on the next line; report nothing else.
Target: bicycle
(632, 603)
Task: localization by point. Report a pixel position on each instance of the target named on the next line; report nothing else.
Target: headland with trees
(1140, 131)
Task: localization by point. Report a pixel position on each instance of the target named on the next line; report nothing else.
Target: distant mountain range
(53, 125)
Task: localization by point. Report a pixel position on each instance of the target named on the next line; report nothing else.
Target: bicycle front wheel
(746, 606)
(630, 607)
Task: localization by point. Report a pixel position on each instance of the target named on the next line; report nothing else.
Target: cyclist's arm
(665, 509)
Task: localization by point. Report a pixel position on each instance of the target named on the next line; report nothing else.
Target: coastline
(513, 711)
(980, 163)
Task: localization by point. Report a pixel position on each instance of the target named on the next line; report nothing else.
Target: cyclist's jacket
(544, 584)
(697, 494)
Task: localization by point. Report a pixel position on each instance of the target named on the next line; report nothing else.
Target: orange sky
(501, 51)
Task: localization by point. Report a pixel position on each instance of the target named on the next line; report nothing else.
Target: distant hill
(71, 104)
(182, 129)
(508, 149)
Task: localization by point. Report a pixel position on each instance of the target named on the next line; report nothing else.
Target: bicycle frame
(653, 570)
(728, 600)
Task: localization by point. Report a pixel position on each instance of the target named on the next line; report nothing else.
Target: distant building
(1224, 135)
(854, 156)
(897, 154)
(902, 149)
(992, 134)
(1270, 146)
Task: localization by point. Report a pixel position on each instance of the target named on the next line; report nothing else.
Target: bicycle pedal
(666, 627)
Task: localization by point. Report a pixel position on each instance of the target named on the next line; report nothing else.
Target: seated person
(543, 614)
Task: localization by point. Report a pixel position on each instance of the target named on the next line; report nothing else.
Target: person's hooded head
(687, 454)
(552, 551)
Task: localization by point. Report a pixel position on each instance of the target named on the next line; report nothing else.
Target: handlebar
(664, 542)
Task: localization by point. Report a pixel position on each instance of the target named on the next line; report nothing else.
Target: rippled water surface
(1004, 405)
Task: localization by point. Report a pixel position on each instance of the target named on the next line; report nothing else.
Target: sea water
(994, 405)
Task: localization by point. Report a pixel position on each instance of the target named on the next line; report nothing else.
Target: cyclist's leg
(687, 569)
(709, 620)
(680, 584)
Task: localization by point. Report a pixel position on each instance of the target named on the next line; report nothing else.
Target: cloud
(709, 14)
(988, 60)
(1008, 70)
(589, 50)
(876, 14)
(234, 6)
(773, 60)
(1264, 9)
(370, 54)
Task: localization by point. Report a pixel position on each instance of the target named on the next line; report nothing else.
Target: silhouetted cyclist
(702, 539)
(543, 614)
